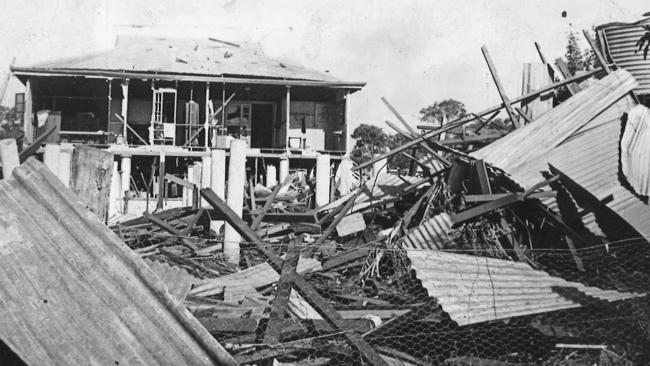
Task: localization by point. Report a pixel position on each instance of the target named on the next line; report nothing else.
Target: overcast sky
(411, 52)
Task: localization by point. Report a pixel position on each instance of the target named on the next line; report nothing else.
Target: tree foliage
(577, 58)
(373, 140)
(449, 109)
(370, 140)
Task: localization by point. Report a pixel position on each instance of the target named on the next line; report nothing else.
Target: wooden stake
(502, 93)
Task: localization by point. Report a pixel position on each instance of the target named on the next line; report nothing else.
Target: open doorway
(262, 126)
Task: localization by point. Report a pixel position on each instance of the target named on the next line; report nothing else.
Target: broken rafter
(551, 72)
(499, 203)
(502, 93)
(564, 70)
(427, 145)
(312, 297)
(285, 283)
(463, 120)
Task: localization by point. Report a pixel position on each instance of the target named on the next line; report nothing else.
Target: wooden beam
(426, 146)
(502, 93)
(571, 235)
(127, 127)
(499, 203)
(179, 181)
(332, 226)
(599, 55)
(471, 139)
(285, 283)
(399, 117)
(287, 117)
(269, 202)
(523, 115)
(110, 101)
(461, 121)
(564, 70)
(193, 220)
(310, 295)
(480, 172)
(472, 198)
(161, 182)
(551, 72)
(33, 148)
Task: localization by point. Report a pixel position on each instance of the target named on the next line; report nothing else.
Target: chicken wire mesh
(416, 286)
(433, 307)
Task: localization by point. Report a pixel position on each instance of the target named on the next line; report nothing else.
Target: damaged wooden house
(155, 100)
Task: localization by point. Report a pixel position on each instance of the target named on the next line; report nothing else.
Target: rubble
(504, 248)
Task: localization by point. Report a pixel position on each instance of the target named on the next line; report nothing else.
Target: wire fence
(438, 307)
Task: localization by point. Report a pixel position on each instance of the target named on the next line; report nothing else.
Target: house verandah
(144, 108)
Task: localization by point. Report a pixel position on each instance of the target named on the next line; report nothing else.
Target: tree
(577, 58)
(370, 140)
(449, 109)
(574, 55)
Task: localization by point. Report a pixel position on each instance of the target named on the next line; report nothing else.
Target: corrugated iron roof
(619, 42)
(474, 289)
(74, 294)
(183, 57)
(431, 234)
(581, 138)
(635, 149)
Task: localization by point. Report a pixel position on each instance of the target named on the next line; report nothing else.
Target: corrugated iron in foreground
(635, 149)
(474, 289)
(74, 294)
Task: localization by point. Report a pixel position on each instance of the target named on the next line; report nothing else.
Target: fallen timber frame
(312, 297)
(467, 119)
(502, 93)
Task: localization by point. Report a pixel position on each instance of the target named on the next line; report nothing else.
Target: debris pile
(531, 249)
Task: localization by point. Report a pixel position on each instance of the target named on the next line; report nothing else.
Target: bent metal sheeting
(73, 294)
(474, 289)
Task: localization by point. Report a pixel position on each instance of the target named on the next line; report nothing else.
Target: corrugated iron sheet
(178, 281)
(74, 294)
(594, 165)
(475, 289)
(635, 149)
(530, 143)
(581, 138)
(184, 56)
(619, 41)
(432, 234)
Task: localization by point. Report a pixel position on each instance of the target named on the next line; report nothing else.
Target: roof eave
(22, 72)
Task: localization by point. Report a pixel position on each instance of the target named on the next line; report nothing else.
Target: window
(20, 103)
